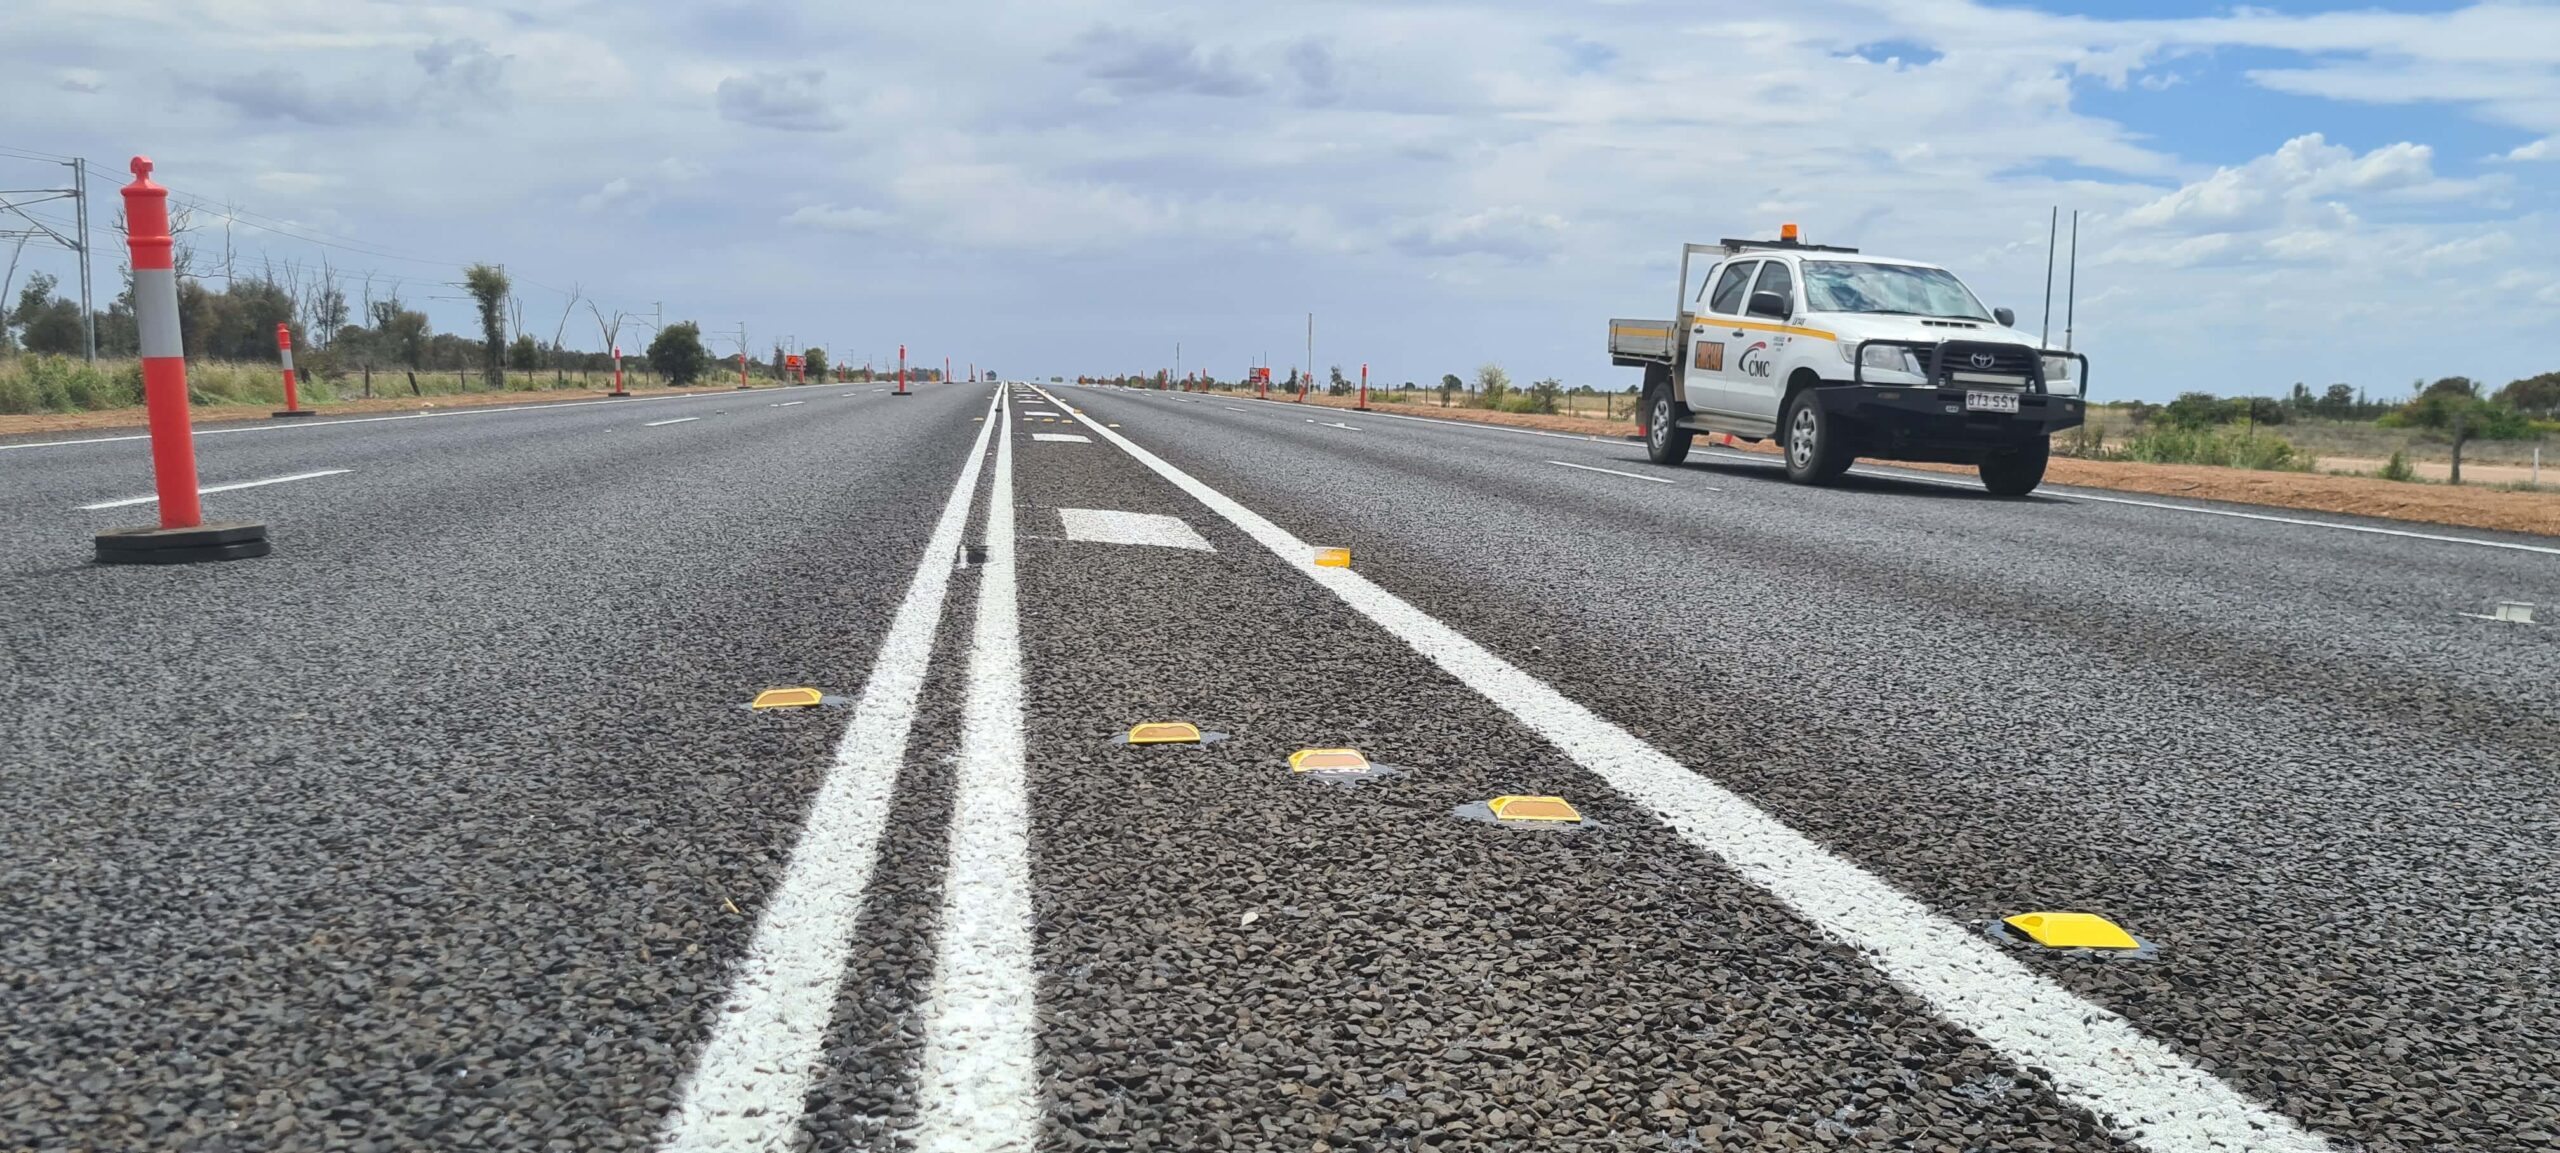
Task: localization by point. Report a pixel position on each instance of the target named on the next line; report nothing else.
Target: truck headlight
(1882, 358)
(2058, 367)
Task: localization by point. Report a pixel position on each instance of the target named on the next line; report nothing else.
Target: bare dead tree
(575, 291)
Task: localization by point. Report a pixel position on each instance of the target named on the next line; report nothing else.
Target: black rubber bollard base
(234, 541)
(619, 394)
(896, 393)
(291, 412)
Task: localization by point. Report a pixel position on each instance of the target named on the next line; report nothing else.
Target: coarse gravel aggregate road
(445, 827)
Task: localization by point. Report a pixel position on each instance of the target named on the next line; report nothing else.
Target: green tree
(814, 362)
(2460, 416)
(1339, 384)
(523, 353)
(401, 333)
(1544, 395)
(1449, 383)
(2338, 402)
(676, 353)
(2534, 395)
(1492, 384)
(2195, 410)
(48, 324)
(487, 285)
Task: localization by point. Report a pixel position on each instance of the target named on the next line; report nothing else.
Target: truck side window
(1727, 300)
(1774, 277)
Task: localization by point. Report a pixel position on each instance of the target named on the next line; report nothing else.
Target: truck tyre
(1664, 440)
(1817, 451)
(2017, 473)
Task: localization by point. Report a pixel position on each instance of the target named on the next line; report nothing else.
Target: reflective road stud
(1165, 733)
(1328, 761)
(795, 698)
(1533, 809)
(2070, 931)
(1333, 558)
(182, 536)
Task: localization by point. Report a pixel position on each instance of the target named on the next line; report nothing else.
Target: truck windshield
(1844, 286)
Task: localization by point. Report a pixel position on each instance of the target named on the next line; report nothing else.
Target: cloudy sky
(2268, 193)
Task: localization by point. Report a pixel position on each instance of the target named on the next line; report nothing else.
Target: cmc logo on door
(1755, 360)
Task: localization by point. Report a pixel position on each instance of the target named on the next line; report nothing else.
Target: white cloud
(830, 218)
(2547, 148)
(788, 102)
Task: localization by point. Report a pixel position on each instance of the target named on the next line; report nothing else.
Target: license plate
(1991, 402)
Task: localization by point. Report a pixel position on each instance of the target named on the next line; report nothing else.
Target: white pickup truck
(1837, 355)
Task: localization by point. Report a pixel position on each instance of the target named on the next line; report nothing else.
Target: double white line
(980, 1086)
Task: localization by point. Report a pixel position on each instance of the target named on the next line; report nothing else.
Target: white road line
(307, 425)
(1062, 437)
(748, 1088)
(1233, 408)
(978, 1086)
(1628, 475)
(786, 404)
(1112, 526)
(154, 499)
(1331, 424)
(2547, 550)
(664, 423)
(2139, 1089)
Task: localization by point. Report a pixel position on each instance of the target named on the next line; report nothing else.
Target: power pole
(78, 193)
(88, 314)
(1311, 344)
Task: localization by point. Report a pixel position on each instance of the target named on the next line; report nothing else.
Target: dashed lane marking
(786, 404)
(979, 1082)
(748, 1088)
(308, 425)
(1111, 526)
(2139, 1089)
(664, 423)
(155, 499)
(1062, 437)
(1628, 475)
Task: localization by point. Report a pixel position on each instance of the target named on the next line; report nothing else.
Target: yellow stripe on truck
(1756, 326)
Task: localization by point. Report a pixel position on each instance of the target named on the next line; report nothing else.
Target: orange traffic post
(284, 348)
(182, 536)
(902, 372)
(1364, 388)
(618, 390)
(742, 370)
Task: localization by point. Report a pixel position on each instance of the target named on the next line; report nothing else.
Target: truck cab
(1836, 355)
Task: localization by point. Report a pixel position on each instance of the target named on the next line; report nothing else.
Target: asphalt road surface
(446, 827)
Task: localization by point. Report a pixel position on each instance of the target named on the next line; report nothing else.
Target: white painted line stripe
(1036, 412)
(786, 404)
(308, 425)
(748, 1088)
(1234, 408)
(1062, 437)
(978, 1086)
(154, 499)
(1111, 526)
(664, 423)
(2547, 550)
(2140, 1090)
(1628, 475)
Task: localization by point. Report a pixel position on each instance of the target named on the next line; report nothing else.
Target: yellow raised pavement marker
(2071, 931)
(794, 698)
(1328, 761)
(1165, 733)
(1333, 558)
(1533, 809)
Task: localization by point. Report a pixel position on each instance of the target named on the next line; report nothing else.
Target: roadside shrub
(18, 395)
(1544, 396)
(2221, 447)
(2397, 468)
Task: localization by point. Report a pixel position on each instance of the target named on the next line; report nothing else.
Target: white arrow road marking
(154, 499)
(2140, 1090)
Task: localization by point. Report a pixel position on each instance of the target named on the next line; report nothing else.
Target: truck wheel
(2017, 473)
(1817, 453)
(1664, 440)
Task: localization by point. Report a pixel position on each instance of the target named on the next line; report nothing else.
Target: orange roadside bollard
(284, 349)
(182, 537)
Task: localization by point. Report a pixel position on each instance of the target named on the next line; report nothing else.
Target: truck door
(1712, 342)
(1754, 380)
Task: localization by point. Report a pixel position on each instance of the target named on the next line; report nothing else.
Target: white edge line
(2139, 1089)
(664, 423)
(751, 1082)
(978, 1084)
(786, 404)
(236, 485)
(1628, 475)
(469, 410)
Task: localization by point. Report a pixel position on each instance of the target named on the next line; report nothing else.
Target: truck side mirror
(2006, 318)
(1769, 304)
